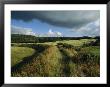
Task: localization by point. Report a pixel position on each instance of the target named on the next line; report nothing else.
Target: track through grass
(59, 59)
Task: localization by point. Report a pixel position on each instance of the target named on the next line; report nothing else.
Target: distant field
(65, 58)
(72, 42)
(77, 42)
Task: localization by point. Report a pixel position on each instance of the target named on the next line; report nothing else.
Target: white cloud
(50, 32)
(91, 29)
(22, 30)
(54, 34)
(58, 33)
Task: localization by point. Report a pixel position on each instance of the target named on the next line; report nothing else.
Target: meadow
(60, 58)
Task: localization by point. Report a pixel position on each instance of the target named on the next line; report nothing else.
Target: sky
(75, 23)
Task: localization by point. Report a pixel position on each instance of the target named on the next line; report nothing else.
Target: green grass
(95, 50)
(90, 54)
(71, 42)
(77, 42)
(85, 62)
(18, 53)
(44, 64)
(57, 59)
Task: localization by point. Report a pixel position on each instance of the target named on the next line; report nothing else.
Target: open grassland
(77, 42)
(19, 53)
(67, 58)
(71, 42)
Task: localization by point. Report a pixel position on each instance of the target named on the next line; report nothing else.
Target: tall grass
(45, 64)
(60, 60)
(83, 62)
(18, 53)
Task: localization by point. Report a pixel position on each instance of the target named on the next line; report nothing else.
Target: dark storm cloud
(69, 19)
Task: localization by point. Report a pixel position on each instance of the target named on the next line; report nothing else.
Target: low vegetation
(19, 53)
(61, 58)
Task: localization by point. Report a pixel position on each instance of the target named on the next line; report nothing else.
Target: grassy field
(19, 53)
(66, 58)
